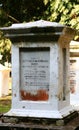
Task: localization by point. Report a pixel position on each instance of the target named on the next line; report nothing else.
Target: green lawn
(5, 104)
(5, 101)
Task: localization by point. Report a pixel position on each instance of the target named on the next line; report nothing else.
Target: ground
(5, 104)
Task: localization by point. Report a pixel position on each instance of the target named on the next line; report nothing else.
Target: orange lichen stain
(40, 96)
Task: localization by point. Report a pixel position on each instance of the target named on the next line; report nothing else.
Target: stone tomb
(74, 73)
(40, 69)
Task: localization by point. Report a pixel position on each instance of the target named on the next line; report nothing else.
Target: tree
(24, 11)
(5, 49)
(17, 11)
(65, 12)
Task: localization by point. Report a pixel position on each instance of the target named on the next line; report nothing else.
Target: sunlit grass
(4, 108)
(5, 101)
(5, 104)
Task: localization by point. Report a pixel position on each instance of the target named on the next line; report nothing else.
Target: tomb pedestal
(40, 69)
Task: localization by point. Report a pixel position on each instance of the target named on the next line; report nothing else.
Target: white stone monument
(4, 80)
(40, 69)
(74, 73)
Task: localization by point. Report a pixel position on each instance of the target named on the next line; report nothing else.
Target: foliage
(62, 11)
(65, 12)
(24, 11)
(5, 50)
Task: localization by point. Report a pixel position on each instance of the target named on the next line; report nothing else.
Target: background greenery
(17, 11)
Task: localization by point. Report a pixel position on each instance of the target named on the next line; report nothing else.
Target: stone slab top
(39, 23)
(44, 30)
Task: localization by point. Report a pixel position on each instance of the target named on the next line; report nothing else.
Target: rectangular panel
(34, 73)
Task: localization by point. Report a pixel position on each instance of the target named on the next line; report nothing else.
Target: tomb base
(40, 123)
(53, 114)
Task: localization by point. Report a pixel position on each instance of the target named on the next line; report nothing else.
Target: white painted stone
(4, 80)
(47, 95)
(39, 23)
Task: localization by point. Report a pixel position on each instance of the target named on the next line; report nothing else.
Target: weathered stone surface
(40, 69)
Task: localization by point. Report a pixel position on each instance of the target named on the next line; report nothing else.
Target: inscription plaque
(34, 73)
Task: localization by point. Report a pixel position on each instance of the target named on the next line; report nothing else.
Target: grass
(5, 101)
(5, 104)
